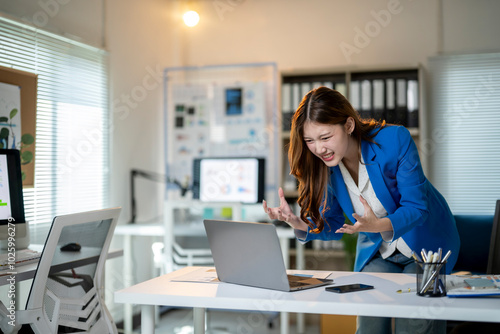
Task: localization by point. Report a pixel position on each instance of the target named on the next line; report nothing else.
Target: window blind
(72, 122)
(464, 146)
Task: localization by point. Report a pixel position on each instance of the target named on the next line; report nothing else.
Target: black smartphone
(349, 288)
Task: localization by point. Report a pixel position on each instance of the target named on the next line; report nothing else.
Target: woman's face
(330, 143)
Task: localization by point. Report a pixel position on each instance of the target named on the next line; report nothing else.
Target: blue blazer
(418, 212)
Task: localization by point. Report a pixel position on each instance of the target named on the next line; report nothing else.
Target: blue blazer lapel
(377, 177)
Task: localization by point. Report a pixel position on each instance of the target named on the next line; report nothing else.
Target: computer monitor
(240, 179)
(12, 220)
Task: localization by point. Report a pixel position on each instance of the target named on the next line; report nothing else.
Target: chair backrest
(67, 287)
(475, 234)
(494, 254)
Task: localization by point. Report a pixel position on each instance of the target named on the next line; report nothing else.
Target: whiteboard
(221, 111)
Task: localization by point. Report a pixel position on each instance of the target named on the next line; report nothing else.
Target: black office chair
(494, 255)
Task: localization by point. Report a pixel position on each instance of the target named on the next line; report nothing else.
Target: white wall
(471, 26)
(145, 36)
(310, 34)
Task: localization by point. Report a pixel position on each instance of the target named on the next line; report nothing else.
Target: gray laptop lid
(249, 254)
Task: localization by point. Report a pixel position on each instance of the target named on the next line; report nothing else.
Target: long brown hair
(324, 106)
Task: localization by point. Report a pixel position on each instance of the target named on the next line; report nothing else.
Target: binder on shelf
(366, 99)
(378, 100)
(341, 88)
(286, 106)
(327, 84)
(286, 97)
(354, 95)
(286, 120)
(390, 101)
(296, 97)
(401, 105)
(305, 87)
(412, 103)
(290, 183)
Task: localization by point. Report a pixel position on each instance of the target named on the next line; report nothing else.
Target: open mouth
(327, 157)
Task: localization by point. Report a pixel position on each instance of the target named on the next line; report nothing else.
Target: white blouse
(365, 189)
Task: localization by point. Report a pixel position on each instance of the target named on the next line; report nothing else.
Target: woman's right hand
(284, 213)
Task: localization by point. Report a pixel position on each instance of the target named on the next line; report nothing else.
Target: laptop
(249, 254)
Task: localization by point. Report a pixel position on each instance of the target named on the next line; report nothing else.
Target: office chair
(493, 268)
(66, 295)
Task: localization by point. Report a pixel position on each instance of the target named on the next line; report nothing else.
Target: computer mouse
(71, 247)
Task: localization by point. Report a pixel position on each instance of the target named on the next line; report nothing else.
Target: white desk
(383, 301)
(159, 230)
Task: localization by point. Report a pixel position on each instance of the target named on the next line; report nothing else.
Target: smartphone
(349, 288)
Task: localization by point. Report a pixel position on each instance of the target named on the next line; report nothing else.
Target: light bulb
(191, 18)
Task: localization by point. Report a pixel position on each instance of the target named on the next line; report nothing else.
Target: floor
(180, 321)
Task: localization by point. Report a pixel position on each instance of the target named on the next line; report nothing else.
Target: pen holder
(431, 279)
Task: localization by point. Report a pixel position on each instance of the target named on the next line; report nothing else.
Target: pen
(436, 259)
(424, 254)
(416, 258)
(428, 259)
(406, 290)
(446, 256)
(429, 268)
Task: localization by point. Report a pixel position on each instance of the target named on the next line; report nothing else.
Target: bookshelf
(392, 94)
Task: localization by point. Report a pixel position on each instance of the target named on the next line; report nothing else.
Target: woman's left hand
(366, 223)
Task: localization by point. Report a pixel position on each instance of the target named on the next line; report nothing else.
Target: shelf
(395, 93)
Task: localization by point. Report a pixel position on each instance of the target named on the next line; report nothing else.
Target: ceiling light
(191, 18)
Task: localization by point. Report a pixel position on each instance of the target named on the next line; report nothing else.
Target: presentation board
(221, 111)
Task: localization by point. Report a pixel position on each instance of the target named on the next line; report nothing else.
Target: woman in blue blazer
(371, 173)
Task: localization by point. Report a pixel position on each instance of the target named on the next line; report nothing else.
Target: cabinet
(392, 94)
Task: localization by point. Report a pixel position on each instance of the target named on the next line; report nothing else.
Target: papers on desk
(462, 285)
(209, 275)
(21, 257)
(201, 275)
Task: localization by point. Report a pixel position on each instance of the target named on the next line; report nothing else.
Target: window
(464, 146)
(72, 131)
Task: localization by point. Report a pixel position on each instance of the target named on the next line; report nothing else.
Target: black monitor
(12, 220)
(239, 179)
